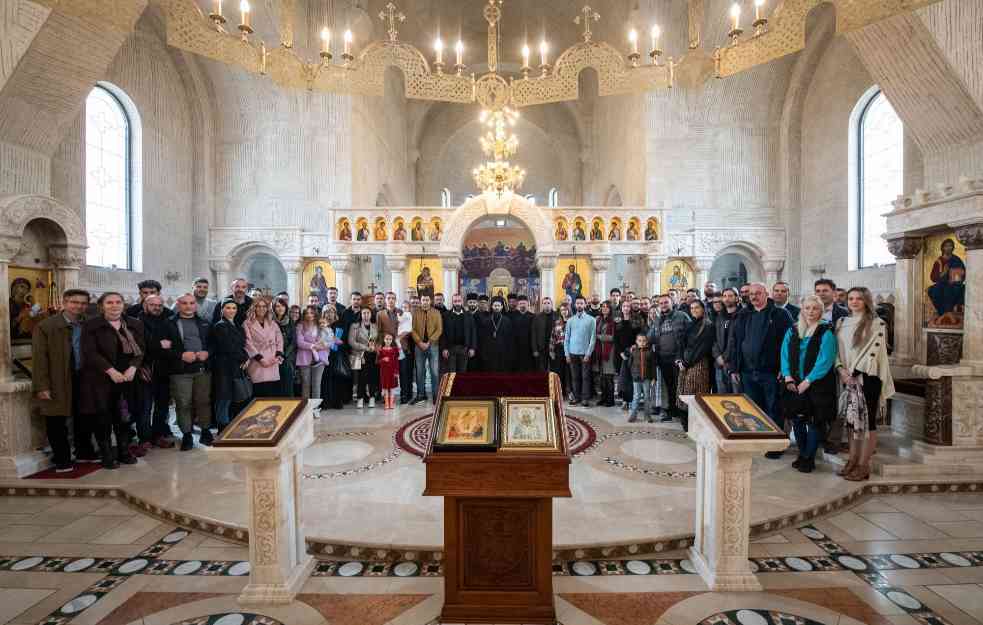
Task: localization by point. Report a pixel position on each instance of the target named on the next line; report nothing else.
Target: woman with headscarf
(496, 343)
(112, 349)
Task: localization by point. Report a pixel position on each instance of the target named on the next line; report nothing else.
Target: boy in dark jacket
(642, 364)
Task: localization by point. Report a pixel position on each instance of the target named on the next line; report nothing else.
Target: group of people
(210, 357)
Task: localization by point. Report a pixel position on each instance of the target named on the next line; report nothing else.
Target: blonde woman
(865, 372)
(264, 344)
(809, 400)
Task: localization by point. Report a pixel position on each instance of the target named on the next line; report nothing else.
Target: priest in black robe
(496, 341)
(522, 331)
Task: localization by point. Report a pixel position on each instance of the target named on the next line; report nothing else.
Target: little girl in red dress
(388, 360)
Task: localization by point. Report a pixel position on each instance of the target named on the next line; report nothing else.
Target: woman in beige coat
(363, 338)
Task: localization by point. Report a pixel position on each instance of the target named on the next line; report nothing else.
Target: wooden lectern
(498, 526)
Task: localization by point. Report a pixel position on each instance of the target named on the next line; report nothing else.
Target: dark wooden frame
(271, 442)
(552, 422)
(446, 403)
(25, 366)
(726, 432)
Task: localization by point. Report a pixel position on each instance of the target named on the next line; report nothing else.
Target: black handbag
(242, 388)
(340, 368)
(794, 404)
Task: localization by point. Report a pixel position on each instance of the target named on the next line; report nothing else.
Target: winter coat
(263, 341)
(100, 353)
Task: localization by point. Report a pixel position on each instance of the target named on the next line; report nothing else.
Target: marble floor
(633, 485)
(888, 560)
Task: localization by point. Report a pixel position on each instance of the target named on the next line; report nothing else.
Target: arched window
(877, 177)
(445, 197)
(553, 199)
(112, 181)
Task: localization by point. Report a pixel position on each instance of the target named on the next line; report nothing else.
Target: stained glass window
(108, 180)
(881, 180)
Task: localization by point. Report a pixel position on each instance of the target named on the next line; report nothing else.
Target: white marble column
(653, 282)
(908, 296)
(970, 234)
(342, 265)
(223, 279)
(701, 267)
(294, 267)
(397, 273)
(451, 265)
(722, 523)
(278, 560)
(600, 265)
(547, 276)
(773, 272)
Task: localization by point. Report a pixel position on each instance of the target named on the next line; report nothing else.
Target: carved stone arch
(540, 224)
(240, 255)
(752, 255)
(16, 211)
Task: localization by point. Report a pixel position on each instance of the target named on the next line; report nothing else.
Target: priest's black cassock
(522, 330)
(496, 342)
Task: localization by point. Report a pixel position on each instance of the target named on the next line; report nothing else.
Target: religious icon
(736, 416)
(578, 230)
(380, 230)
(615, 233)
(261, 423)
(424, 283)
(319, 285)
(651, 230)
(677, 279)
(572, 284)
(344, 230)
(30, 301)
(561, 230)
(399, 230)
(417, 233)
(528, 423)
(362, 232)
(948, 290)
(633, 233)
(597, 230)
(435, 229)
(466, 425)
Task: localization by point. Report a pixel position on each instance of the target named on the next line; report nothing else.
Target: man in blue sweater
(578, 345)
(756, 349)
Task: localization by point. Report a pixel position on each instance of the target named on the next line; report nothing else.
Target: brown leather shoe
(859, 474)
(847, 469)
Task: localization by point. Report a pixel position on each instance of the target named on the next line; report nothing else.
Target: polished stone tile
(129, 531)
(966, 597)
(962, 529)
(938, 604)
(923, 577)
(859, 528)
(86, 529)
(926, 508)
(876, 504)
(903, 526)
(23, 533)
(14, 601)
(28, 505)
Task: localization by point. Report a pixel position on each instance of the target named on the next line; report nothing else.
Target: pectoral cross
(392, 15)
(588, 14)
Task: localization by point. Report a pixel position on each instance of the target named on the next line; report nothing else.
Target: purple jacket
(306, 339)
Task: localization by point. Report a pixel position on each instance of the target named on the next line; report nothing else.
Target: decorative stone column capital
(601, 263)
(66, 256)
(656, 263)
(703, 263)
(773, 266)
(292, 265)
(970, 234)
(450, 263)
(547, 263)
(220, 266)
(9, 246)
(905, 247)
(341, 264)
(396, 263)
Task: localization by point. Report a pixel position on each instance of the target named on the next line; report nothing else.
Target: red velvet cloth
(501, 385)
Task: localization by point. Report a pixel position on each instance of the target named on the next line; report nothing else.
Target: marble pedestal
(22, 434)
(723, 503)
(278, 558)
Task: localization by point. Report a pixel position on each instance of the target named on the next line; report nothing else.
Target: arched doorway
(265, 272)
(499, 257)
(729, 270)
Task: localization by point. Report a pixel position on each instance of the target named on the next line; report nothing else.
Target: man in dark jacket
(825, 290)
(147, 288)
(542, 330)
(56, 350)
(152, 427)
(190, 371)
(243, 302)
(666, 334)
(723, 325)
(756, 348)
(522, 331)
(459, 338)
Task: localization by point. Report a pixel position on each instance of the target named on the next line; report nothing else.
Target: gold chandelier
(498, 175)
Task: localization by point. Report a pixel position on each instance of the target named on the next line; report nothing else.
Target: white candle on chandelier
(633, 39)
(525, 55)
(348, 42)
(735, 13)
(217, 10)
(656, 33)
(544, 48)
(244, 8)
(325, 40)
(438, 45)
(459, 48)
(757, 9)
